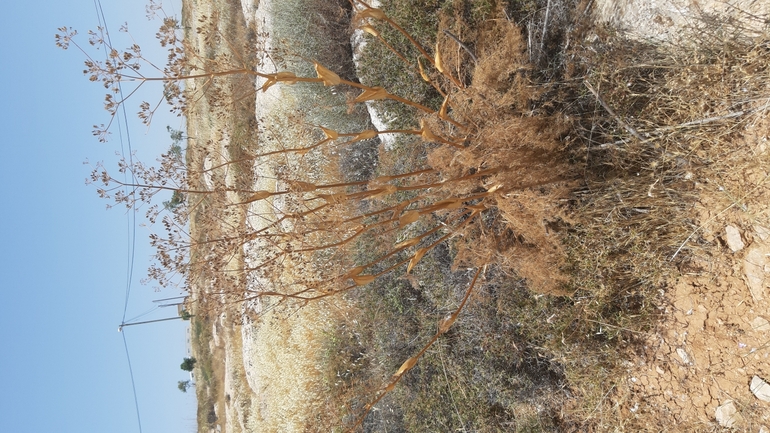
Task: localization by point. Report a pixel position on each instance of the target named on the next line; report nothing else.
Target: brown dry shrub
(502, 69)
(533, 174)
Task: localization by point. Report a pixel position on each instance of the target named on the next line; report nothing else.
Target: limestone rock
(760, 324)
(762, 232)
(755, 267)
(733, 238)
(727, 415)
(683, 355)
(760, 388)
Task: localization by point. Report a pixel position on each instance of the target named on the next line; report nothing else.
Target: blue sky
(64, 256)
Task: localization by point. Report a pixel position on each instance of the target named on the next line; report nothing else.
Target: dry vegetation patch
(640, 123)
(221, 130)
(589, 175)
(574, 164)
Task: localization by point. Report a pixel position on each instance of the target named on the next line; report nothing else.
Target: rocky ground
(711, 352)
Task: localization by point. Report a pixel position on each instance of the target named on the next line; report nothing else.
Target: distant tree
(177, 198)
(176, 151)
(184, 385)
(188, 364)
(176, 135)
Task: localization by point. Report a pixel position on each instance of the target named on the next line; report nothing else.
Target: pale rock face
(662, 20)
(733, 238)
(683, 355)
(727, 415)
(756, 269)
(762, 232)
(760, 324)
(760, 388)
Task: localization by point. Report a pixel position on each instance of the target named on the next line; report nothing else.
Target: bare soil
(714, 334)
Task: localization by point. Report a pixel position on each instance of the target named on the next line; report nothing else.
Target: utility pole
(171, 305)
(120, 328)
(167, 299)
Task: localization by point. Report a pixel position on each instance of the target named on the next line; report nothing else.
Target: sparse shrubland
(494, 268)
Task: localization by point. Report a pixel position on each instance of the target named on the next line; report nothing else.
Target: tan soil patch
(715, 334)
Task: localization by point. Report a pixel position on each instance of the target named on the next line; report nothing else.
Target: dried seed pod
(442, 112)
(362, 280)
(406, 366)
(408, 218)
(286, 77)
(259, 195)
(368, 28)
(269, 83)
(446, 323)
(375, 13)
(415, 259)
(437, 60)
(407, 243)
(448, 204)
(329, 78)
(330, 133)
(364, 135)
(424, 75)
(371, 94)
(354, 272)
(427, 134)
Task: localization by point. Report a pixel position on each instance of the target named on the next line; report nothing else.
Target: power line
(133, 385)
(123, 325)
(141, 315)
(131, 215)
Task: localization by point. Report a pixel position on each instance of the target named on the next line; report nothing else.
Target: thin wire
(133, 385)
(133, 319)
(131, 220)
(131, 217)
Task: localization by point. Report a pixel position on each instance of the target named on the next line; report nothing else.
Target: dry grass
(571, 173)
(612, 243)
(285, 369)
